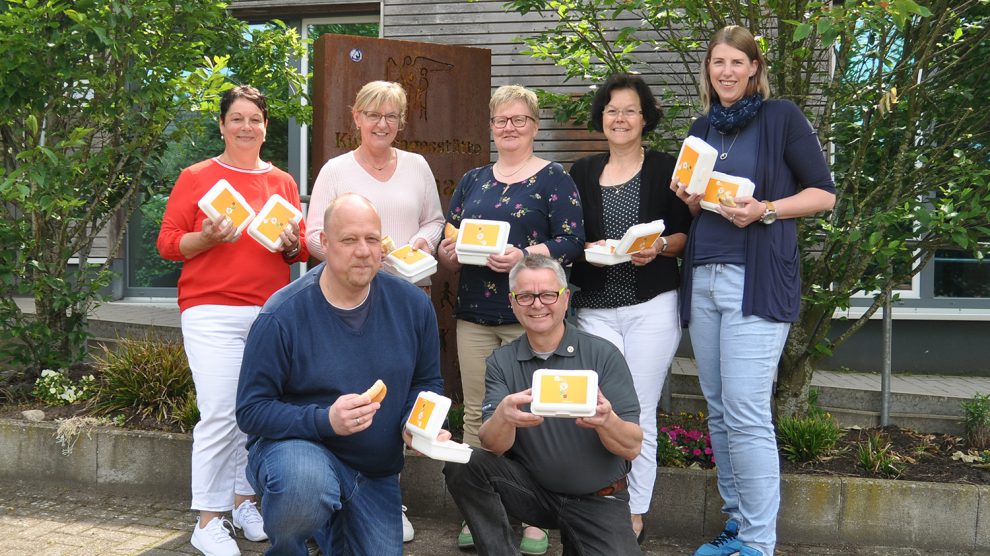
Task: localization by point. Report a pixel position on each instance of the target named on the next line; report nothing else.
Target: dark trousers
(489, 488)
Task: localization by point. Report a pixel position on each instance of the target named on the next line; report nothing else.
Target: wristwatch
(665, 244)
(770, 214)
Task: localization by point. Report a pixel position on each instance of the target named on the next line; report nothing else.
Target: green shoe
(465, 540)
(535, 547)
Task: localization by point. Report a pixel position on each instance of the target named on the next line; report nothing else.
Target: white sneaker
(246, 517)
(407, 529)
(215, 539)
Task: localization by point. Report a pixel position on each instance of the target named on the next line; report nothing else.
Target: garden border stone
(814, 509)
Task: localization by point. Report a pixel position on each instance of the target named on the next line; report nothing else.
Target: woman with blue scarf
(741, 277)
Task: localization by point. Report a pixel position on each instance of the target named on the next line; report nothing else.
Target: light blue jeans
(737, 360)
(307, 492)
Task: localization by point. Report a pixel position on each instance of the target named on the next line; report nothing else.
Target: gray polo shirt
(561, 456)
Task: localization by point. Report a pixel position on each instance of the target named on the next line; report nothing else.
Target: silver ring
(357, 420)
(732, 219)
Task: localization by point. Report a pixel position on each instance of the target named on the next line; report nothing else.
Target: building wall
(485, 24)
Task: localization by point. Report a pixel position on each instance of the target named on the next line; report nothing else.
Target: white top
(408, 202)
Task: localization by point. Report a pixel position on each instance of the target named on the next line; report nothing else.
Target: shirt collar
(566, 348)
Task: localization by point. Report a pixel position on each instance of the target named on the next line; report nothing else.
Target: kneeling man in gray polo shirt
(557, 473)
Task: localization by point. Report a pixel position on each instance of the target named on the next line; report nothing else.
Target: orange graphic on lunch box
(225, 203)
(407, 255)
(479, 234)
(717, 187)
(642, 242)
(421, 413)
(687, 163)
(273, 223)
(563, 389)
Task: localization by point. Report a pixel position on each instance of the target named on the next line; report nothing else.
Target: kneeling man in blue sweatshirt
(323, 456)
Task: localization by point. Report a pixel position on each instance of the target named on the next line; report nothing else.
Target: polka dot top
(620, 209)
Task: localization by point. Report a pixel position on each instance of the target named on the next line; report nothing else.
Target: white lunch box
(409, 264)
(724, 185)
(476, 239)
(425, 422)
(273, 218)
(222, 198)
(695, 164)
(559, 393)
(636, 238)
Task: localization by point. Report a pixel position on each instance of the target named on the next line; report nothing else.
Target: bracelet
(292, 253)
(665, 244)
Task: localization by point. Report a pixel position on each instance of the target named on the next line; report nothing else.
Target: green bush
(805, 439)
(877, 457)
(977, 421)
(147, 378)
(55, 388)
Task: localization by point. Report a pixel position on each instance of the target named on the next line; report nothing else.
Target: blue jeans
(307, 492)
(490, 488)
(737, 360)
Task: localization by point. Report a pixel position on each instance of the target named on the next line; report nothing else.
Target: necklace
(516, 171)
(725, 153)
(617, 186)
(367, 159)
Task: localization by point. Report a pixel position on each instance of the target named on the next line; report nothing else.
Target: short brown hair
(245, 92)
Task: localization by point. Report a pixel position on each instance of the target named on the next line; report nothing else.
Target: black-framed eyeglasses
(528, 298)
(517, 121)
(391, 118)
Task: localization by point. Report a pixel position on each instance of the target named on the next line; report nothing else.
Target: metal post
(885, 370)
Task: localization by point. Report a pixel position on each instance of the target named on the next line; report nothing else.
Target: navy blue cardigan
(789, 158)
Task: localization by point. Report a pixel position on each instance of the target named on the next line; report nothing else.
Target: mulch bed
(926, 457)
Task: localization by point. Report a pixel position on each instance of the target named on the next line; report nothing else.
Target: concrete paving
(53, 520)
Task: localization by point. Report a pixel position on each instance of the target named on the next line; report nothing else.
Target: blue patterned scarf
(732, 119)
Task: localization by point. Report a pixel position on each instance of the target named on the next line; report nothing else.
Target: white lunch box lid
(639, 237)
(222, 198)
(695, 164)
(425, 422)
(271, 220)
(412, 265)
(476, 239)
(558, 393)
(724, 183)
(606, 254)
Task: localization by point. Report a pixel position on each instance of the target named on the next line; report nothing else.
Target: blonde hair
(376, 94)
(741, 39)
(507, 94)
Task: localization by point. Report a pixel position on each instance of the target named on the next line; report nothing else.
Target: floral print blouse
(544, 208)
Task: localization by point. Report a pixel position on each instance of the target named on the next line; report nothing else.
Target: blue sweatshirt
(300, 357)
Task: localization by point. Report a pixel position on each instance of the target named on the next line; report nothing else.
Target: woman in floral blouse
(541, 204)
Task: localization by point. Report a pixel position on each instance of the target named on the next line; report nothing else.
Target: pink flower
(697, 452)
(708, 452)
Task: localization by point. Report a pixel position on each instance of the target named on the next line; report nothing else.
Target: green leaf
(802, 32)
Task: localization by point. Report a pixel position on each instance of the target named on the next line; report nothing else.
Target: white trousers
(214, 337)
(647, 334)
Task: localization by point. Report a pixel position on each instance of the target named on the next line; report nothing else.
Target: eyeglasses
(627, 113)
(547, 298)
(517, 121)
(391, 118)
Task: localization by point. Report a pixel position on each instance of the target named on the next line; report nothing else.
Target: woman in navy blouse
(541, 204)
(742, 277)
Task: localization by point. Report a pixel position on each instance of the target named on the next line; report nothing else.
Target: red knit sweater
(239, 273)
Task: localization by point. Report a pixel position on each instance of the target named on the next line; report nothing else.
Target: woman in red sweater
(225, 280)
